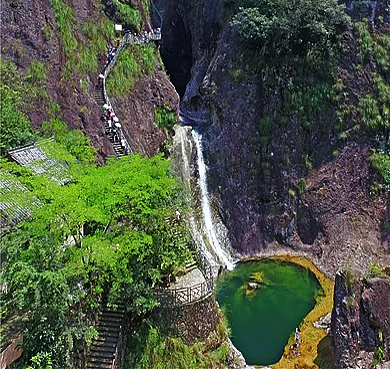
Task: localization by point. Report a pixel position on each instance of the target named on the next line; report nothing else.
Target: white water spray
(214, 243)
(199, 241)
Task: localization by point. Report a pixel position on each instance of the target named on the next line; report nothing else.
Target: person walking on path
(100, 81)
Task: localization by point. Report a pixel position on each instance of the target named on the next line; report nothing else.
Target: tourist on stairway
(123, 143)
(100, 81)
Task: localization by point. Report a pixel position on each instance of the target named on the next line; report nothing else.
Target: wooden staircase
(103, 349)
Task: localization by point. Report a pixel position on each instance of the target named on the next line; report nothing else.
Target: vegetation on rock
(133, 62)
(281, 28)
(112, 231)
(129, 16)
(80, 56)
(165, 118)
(151, 349)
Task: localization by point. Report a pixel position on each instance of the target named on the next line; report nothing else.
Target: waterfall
(199, 241)
(206, 209)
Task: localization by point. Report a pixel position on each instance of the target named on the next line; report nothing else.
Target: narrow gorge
(273, 247)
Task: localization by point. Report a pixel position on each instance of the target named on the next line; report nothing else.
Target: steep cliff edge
(288, 149)
(361, 321)
(70, 40)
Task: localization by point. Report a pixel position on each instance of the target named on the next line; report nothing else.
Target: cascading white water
(214, 243)
(199, 241)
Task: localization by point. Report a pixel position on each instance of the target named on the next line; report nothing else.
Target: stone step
(105, 341)
(107, 334)
(101, 328)
(99, 366)
(99, 353)
(109, 319)
(97, 359)
(103, 348)
(107, 312)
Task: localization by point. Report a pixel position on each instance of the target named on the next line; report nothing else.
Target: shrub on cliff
(278, 28)
(14, 125)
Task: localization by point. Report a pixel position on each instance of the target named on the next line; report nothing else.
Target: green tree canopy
(278, 28)
(112, 232)
(14, 125)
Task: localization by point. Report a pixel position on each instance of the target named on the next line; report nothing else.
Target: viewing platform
(190, 288)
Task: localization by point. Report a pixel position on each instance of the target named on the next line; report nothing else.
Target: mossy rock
(258, 278)
(250, 289)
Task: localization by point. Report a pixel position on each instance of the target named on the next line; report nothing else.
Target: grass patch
(165, 118)
(95, 34)
(311, 336)
(19, 94)
(30, 86)
(373, 46)
(302, 185)
(371, 113)
(75, 142)
(47, 32)
(127, 15)
(133, 62)
(14, 125)
(80, 56)
(64, 16)
(380, 161)
(88, 62)
(36, 71)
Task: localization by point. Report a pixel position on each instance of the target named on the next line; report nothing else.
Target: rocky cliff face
(137, 111)
(29, 32)
(254, 170)
(361, 321)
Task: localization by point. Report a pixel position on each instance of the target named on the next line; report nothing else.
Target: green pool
(262, 315)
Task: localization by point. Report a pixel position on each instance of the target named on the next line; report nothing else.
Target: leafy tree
(279, 28)
(127, 210)
(75, 142)
(14, 125)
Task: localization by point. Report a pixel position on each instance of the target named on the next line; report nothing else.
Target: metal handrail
(115, 360)
(126, 40)
(184, 295)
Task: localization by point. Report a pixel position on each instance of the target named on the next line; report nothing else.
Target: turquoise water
(263, 320)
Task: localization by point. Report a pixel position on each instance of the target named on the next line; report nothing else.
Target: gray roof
(12, 209)
(37, 160)
(14, 206)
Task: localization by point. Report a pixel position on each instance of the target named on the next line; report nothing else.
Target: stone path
(192, 278)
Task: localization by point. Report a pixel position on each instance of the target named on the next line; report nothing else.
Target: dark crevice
(176, 52)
